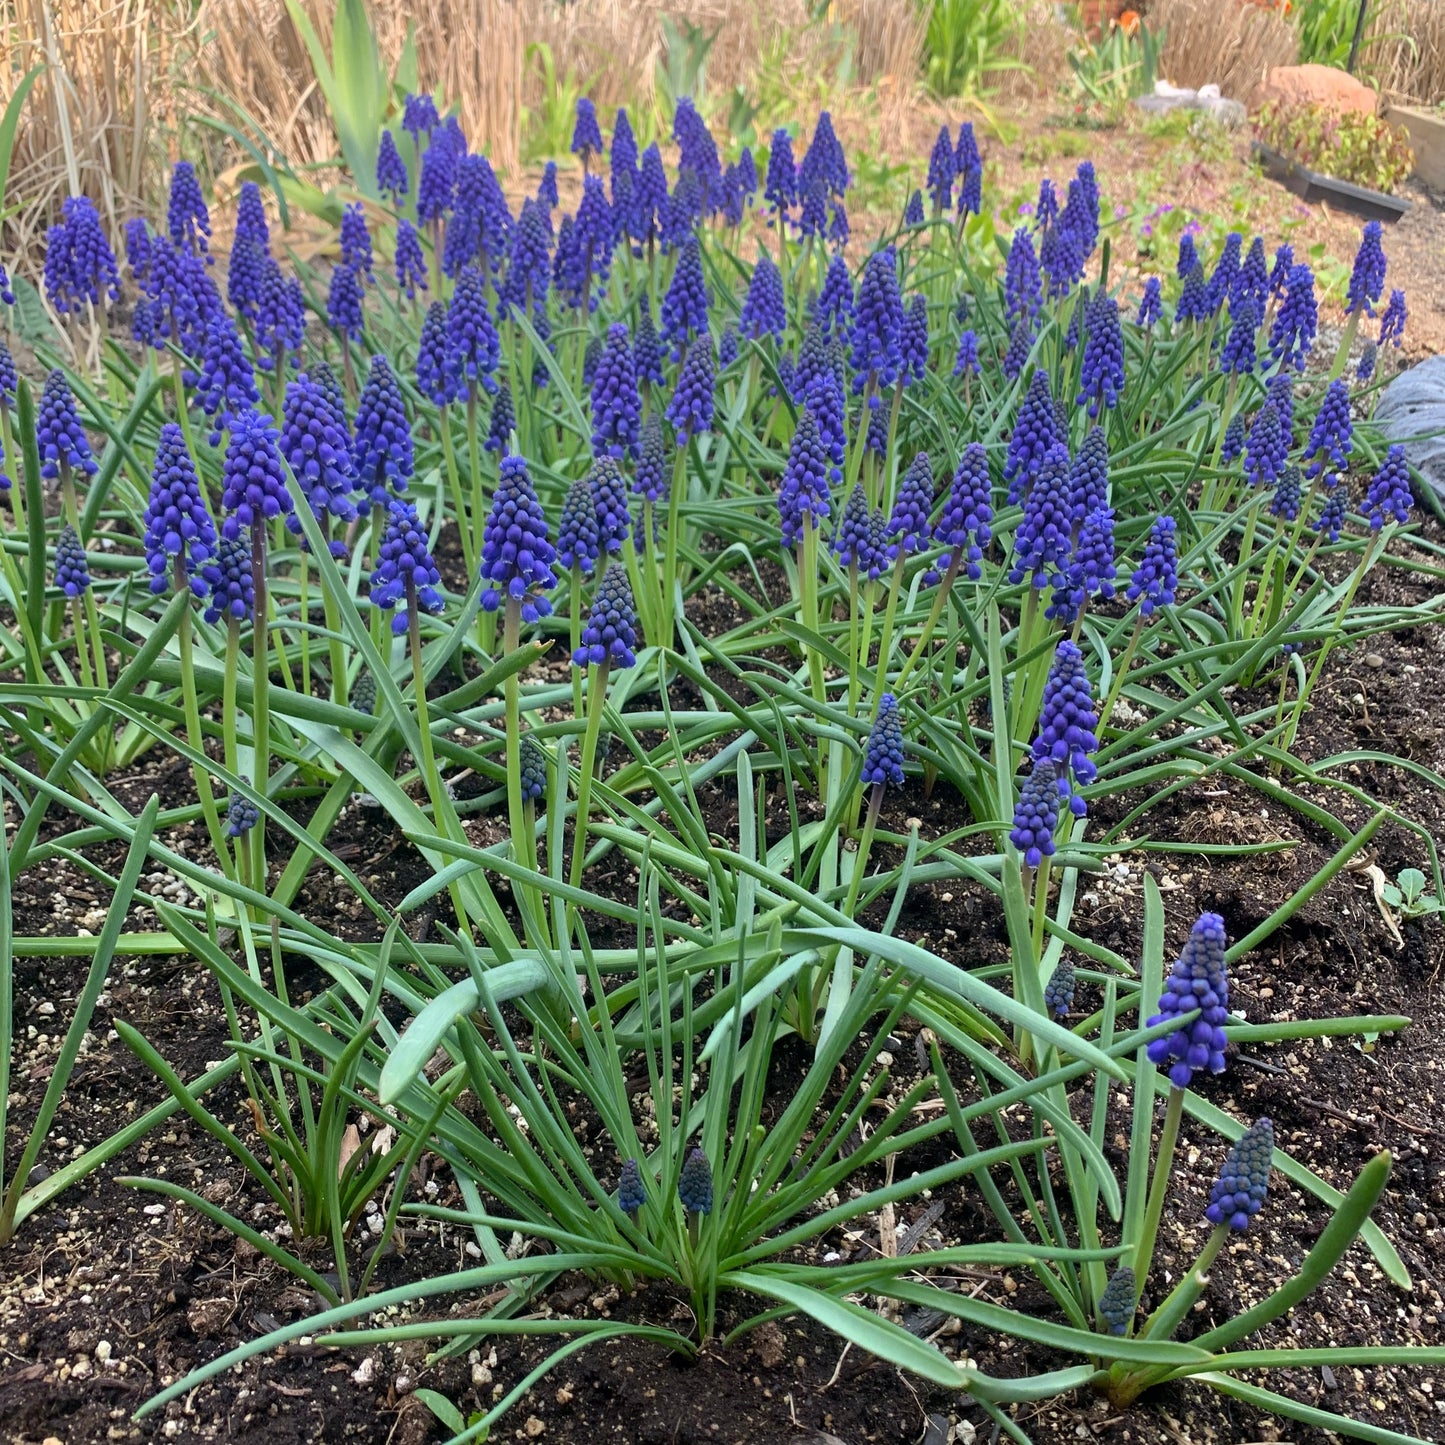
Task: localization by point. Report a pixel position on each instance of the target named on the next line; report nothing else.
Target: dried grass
(1231, 45)
(90, 123)
(1406, 71)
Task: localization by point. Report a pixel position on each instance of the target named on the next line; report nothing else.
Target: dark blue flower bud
(1198, 980)
(611, 630)
(883, 757)
(1239, 1192)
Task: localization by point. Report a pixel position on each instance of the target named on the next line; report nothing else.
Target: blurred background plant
(1360, 148)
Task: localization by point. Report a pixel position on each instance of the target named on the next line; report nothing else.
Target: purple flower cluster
(517, 554)
(610, 633)
(803, 492)
(178, 528)
(1199, 981)
(1239, 1192)
(1155, 582)
(883, 756)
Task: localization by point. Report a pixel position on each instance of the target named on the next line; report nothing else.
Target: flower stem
(1158, 1185)
(596, 700)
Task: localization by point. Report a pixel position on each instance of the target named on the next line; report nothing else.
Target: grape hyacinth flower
(1059, 990)
(1022, 287)
(1020, 347)
(1266, 449)
(803, 493)
(966, 362)
(1286, 500)
(436, 187)
(1389, 497)
(834, 310)
(577, 533)
(80, 266)
(877, 356)
(382, 451)
(1119, 1301)
(9, 378)
(316, 446)
(1225, 273)
(1035, 432)
(764, 311)
(1091, 568)
(609, 501)
(1188, 256)
(473, 348)
(631, 1195)
(1101, 373)
(1155, 582)
(59, 436)
(964, 527)
(1089, 476)
(727, 347)
(1280, 390)
(1043, 541)
(591, 355)
(697, 151)
(419, 116)
(611, 630)
(649, 199)
(517, 554)
(1067, 720)
(1392, 321)
(280, 320)
(187, 220)
(1297, 321)
(226, 384)
(586, 134)
(1369, 355)
(883, 756)
(1239, 1192)
(391, 178)
(780, 185)
(1151, 305)
(7, 295)
(1367, 279)
(1233, 446)
(941, 172)
(241, 815)
(647, 350)
(344, 303)
(684, 307)
(528, 267)
(652, 480)
(913, 213)
(1036, 814)
(178, 528)
(1331, 520)
(616, 405)
(913, 340)
(229, 580)
(405, 574)
(502, 422)
(1238, 355)
(1252, 282)
(691, 408)
(1193, 303)
(532, 770)
(254, 486)
(356, 242)
(1199, 981)
(853, 540)
(436, 376)
(968, 164)
(1331, 437)
(72, 569)
(908, 524)
(694, 1186)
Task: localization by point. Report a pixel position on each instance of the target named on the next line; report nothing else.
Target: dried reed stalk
(1229, 44)
(1404, 50)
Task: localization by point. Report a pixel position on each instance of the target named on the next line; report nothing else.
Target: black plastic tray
(1313, 188)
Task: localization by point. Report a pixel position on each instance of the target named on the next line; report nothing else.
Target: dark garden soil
(111, 1293)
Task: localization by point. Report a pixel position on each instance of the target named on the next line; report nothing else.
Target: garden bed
(816, 907)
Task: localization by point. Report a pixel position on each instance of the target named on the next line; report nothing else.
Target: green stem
(1180, 1300)
(427, 763)
(260, 707)
(524, 838)
(945, 587)
(1158, 1185)
(194, 735)
(454, 482)
(669, 545)
(885, 645)
(596, 700)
